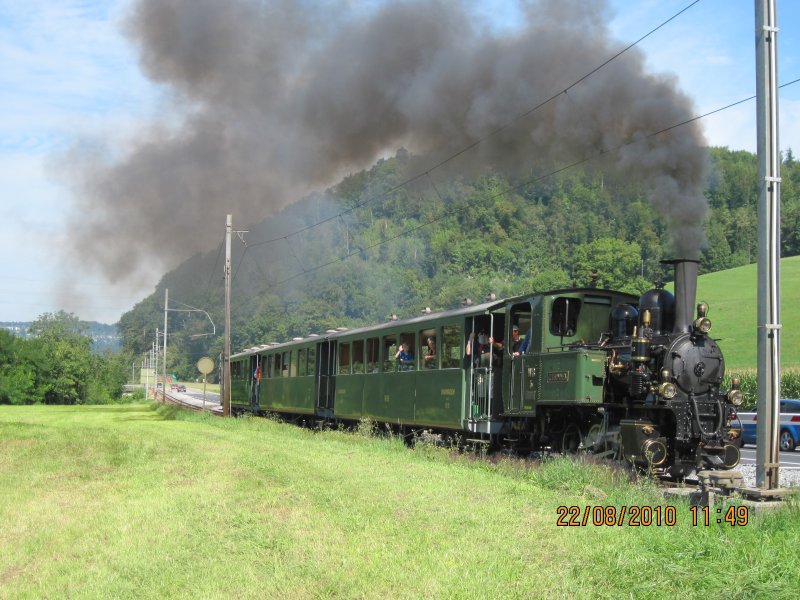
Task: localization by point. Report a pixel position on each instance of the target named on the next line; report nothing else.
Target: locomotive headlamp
(735, 397)
(735, 383)
(703, 325)
(667, 390)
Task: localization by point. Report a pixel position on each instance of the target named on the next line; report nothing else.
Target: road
(789, 460)
(195, 398)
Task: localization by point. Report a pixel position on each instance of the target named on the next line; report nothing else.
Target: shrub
(790, 385)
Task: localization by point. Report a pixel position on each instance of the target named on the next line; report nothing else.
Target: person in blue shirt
(404, 358)
(526, 343)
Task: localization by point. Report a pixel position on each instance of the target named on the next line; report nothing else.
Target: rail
(167, 397)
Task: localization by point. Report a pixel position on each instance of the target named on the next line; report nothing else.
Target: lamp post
(188, 308)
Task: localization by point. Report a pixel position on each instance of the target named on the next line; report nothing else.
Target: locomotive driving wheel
(571, 439)
(602, 443)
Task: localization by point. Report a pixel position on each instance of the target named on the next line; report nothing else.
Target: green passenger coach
(454, 370)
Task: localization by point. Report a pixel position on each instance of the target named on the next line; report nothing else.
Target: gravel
(787, 476)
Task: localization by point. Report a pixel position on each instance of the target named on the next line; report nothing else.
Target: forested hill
(385, 248)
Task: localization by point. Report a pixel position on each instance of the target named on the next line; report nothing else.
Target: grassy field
(142, 502)
(732, 296)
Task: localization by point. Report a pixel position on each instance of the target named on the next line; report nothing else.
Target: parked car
(180, 388)
(173, 387)
(789, 432)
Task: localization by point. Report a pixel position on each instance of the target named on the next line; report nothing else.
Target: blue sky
(68, 74)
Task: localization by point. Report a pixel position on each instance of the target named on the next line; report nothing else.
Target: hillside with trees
(386, 248)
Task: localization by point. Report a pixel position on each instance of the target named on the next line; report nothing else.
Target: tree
(66, 357)
(20, 365)
(616, 263)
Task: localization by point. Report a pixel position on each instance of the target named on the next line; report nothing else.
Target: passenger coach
(354, 374)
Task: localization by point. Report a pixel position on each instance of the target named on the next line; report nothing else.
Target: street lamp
(189, 308)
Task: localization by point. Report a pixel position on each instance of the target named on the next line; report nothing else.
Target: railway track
(189, 403)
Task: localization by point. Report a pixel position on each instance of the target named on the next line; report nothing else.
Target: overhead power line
(449, 212)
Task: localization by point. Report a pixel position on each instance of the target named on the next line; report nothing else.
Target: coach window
(451, 347)
(312, 361)
(344, 358)
(406, 359)
(277, 371)
(358, 356)
(301, 362)
(564, 317)
(266, 369)
(428, 357)
(373, 355)
(287, 363)
(389, 350)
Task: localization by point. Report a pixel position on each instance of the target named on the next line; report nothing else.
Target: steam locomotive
(634, 378)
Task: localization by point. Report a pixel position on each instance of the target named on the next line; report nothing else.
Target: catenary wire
(446, 213)
(480, 140)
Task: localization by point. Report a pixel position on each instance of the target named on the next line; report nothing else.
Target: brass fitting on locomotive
(640, 345)
(702, 324)
(667, 389)
(735, 395)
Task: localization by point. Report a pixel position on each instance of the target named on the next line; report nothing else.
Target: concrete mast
(769, 384)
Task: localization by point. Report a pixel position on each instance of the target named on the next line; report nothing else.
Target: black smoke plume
(273, 99)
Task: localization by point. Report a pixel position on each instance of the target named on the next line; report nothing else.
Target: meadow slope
(144, 502)
(732, 296)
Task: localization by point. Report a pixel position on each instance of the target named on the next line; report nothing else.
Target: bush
(790, 385)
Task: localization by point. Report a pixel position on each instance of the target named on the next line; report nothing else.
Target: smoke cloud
(277, 98)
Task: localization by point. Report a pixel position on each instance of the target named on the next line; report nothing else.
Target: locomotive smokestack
(685, 292)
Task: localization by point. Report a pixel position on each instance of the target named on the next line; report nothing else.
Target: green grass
(142, 502)
(210, 387)
(732, 297)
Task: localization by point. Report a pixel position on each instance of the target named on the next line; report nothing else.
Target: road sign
(205, 365)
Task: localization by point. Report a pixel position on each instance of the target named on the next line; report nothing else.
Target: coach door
(483, 365)
(521, 385)
(255, 381)
(326, 382)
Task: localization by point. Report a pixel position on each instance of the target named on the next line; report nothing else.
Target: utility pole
(769, 180)
(146, 378)
(226, 353)
(166, 302)
(155, 366)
